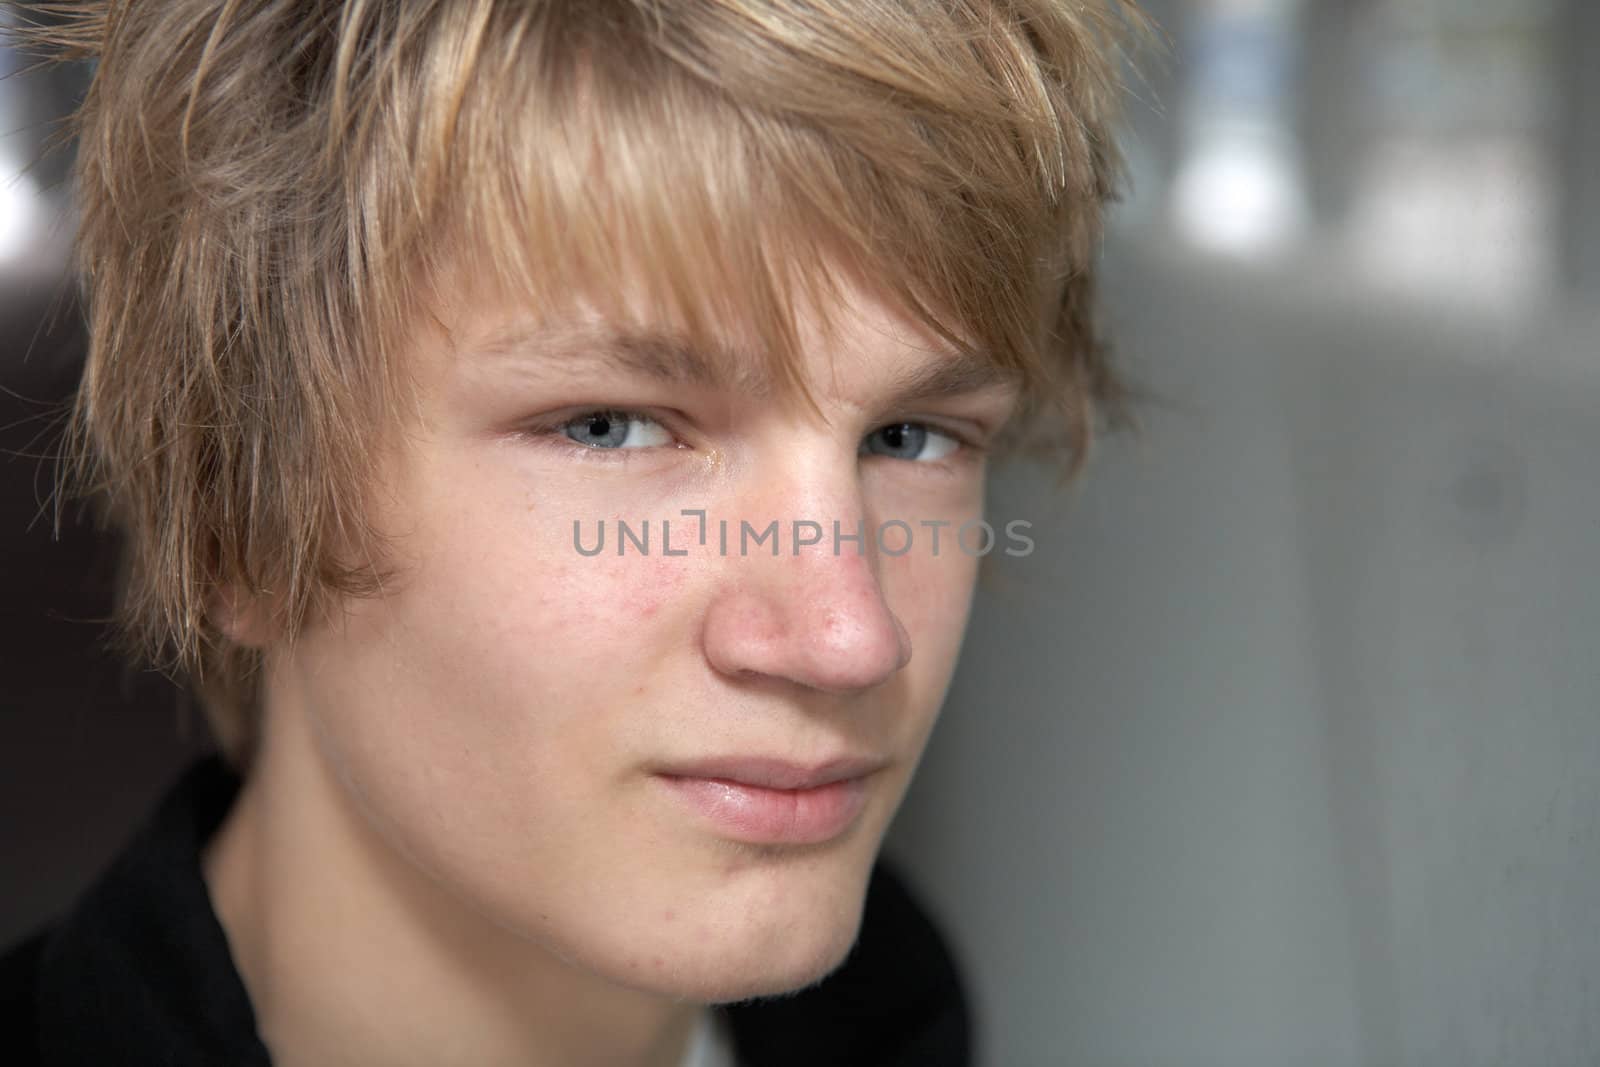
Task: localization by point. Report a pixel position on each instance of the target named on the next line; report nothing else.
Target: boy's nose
(809, 615)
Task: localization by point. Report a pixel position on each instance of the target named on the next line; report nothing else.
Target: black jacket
(139, 972)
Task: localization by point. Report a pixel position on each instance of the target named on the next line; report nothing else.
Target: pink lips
(766, 801)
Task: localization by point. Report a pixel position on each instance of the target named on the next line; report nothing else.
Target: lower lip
(759, 815)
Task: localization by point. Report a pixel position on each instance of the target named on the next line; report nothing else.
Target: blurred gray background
(1284, 745)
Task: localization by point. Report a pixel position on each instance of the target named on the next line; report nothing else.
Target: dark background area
(86, 742)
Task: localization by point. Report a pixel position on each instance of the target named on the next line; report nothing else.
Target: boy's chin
(735, 963)
(708, 979)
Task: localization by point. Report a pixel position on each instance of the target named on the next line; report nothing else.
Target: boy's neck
(352, 954)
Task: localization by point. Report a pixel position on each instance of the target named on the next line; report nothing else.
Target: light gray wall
(1283, 746)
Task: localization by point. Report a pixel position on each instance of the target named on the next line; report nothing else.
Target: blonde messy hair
(269, 189)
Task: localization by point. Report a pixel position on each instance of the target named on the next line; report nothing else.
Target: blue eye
(909, 440)
(615, 430)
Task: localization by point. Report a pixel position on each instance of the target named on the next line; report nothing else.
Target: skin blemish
(661, 580)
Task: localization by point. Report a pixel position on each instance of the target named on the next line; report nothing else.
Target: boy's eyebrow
(673, 360)
(957, 374)
(648, 353)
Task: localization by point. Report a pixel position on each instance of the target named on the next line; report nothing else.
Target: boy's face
(510, 710)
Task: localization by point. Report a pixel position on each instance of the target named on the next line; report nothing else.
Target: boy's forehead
(914, 365)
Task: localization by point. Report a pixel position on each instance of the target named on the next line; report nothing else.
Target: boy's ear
(243, 617)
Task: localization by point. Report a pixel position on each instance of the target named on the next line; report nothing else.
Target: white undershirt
(710, 1043)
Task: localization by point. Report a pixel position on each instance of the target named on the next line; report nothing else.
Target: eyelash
(550, 434)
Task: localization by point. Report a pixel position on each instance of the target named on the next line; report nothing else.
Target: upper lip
(771, 773)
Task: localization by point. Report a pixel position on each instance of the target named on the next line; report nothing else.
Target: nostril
(904, 637)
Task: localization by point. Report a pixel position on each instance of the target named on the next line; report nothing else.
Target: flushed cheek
(504, 563)
(501, 656)
(552, 639)
(511, 684)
